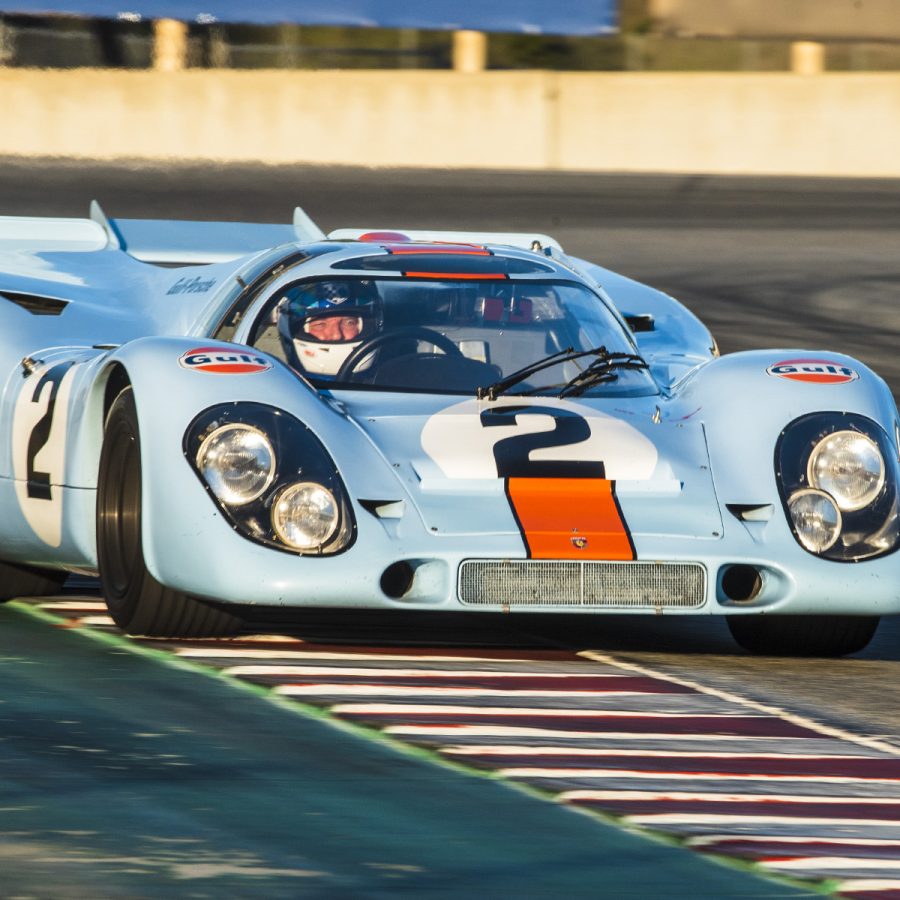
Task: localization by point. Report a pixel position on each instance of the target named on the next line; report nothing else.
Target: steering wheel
(379, 341)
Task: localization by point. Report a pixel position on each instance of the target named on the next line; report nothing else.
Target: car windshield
(447, 335)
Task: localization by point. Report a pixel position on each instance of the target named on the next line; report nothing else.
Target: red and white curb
(726, 775)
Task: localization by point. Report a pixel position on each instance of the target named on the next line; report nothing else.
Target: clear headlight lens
(305, 515)
(849, 466)
(237, 462)
(816, 518)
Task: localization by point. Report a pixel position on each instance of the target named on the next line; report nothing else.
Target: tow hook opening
(741, 583)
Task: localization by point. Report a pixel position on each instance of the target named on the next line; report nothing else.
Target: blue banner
(572, 17)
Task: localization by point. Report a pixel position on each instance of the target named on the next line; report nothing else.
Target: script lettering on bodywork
(195, 285)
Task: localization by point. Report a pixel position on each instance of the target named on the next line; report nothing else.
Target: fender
(172, 384)
(745, 404)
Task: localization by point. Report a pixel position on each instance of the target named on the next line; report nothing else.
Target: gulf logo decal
(221, 361)
(813, 371)
(559, 462)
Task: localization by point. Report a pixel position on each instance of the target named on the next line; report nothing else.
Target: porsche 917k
(213, 416)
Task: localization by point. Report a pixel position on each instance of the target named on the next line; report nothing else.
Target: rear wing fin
(525, 240)
(37, 234)
(172, 241)
(159, 241)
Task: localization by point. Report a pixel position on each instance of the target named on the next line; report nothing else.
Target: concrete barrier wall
(874, 20)
(759, 123)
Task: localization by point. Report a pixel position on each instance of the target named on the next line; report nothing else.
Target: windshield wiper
(602, 369)
(493, 391)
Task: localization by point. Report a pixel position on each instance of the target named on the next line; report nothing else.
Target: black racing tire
(26, 581)
(772, 635)
(137, 602)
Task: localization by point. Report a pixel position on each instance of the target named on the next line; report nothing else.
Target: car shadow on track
(675, 634)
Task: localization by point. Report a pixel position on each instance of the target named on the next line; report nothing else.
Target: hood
(455, 454)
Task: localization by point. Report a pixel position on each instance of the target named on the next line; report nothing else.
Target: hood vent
(35, 304)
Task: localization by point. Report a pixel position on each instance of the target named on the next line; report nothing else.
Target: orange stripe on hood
(570, 518)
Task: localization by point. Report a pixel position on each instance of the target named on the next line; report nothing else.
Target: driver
(321, 323)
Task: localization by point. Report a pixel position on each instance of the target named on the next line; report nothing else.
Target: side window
(265, 334)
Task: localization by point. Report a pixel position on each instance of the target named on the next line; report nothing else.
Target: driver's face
(334, 329)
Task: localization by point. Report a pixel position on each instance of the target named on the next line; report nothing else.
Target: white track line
(387, 709)
(709, 797)
(519, 750)
(512, 731)
(402, 690)
(711, 839)
(655, 820)
(65, 605)
(214, 652)
(524, 772)
(806, 863)
(864, 885)
(741, 701)
(358, 672)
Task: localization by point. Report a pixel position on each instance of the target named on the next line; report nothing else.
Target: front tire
(773, 635)
(137, 602)
(25, 581)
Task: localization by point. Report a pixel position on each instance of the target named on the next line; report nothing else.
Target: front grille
(610, 585)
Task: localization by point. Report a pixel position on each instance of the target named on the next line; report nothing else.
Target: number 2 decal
(540, 439)
(39, 443)
(513, 454)
(38, 483)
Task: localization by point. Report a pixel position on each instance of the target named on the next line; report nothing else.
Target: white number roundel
(537, 437)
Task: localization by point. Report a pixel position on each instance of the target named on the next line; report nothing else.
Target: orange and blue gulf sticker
(222, 361)
(813, 371)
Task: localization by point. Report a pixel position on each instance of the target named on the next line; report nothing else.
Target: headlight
(237, 462)
(849, 466)
(816, 518)
(839, 480)
(305, 515)
(295, 501)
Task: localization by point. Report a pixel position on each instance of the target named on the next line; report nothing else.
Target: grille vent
(608, 585)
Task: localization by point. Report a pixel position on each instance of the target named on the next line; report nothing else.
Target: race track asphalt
(765, 262)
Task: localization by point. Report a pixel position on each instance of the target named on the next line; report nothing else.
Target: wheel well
(117, 381)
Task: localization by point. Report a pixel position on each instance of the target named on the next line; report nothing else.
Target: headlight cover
(816, 519)
(838, 476)
(849, 466)
(237, 462)
(252, 459)
(305, 515)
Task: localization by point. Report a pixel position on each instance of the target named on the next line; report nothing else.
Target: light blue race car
(216, 416)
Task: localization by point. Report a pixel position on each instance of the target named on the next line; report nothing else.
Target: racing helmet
(321, 323)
